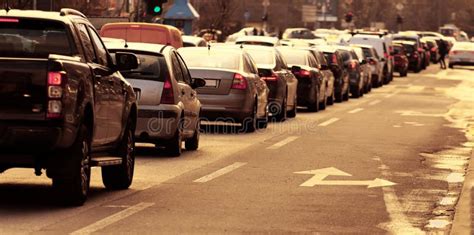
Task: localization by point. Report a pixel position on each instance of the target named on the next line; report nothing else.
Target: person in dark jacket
(443, 52)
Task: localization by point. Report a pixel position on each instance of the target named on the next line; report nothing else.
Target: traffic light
(155, 7)
(349, 17)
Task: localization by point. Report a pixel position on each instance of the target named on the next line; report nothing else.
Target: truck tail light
(239, 82)
(167, 96)
(55, 88)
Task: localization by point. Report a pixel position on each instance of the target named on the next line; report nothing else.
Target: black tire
(404, 73)
(73, 190)
(356, 94)
(292, 113)
(324, 104)
(262, 123)
(282, 115)
(332, 99)
(250, 125)
(193, 143)
(120, 177)
(314, 107)
(174, 146)
(346, 96)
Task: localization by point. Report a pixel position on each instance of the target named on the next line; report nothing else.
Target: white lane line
(357, 110)
(391, 95)
(112, 219)
(374, 102)
(329, 122)
(220, 172)
(283, 142)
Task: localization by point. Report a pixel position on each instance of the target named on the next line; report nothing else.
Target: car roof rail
(69, 11)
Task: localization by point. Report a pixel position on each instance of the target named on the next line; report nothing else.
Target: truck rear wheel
(121, 176)
(73, 190)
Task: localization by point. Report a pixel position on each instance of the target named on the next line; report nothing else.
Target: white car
(462, 53)
(380, 45)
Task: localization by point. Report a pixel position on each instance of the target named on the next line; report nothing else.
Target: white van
(382, 48)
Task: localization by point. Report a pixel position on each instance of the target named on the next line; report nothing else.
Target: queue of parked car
(82, 98)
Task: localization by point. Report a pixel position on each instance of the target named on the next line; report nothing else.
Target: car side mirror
(295, 69)
(126, 61)
(198, 82)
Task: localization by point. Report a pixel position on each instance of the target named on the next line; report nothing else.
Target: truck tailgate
(23, 89)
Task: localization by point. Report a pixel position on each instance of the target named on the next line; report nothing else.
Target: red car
(401, 60)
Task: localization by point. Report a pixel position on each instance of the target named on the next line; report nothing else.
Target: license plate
(211, 83)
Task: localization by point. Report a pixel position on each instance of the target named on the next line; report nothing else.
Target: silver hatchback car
(169, 109)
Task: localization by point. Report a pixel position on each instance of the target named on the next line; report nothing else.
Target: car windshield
(212, 59)
(151, 67)
(33, 38)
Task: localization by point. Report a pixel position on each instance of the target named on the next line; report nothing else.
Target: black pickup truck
(64, 107)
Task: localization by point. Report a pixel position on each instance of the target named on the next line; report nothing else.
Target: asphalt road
(390, 162)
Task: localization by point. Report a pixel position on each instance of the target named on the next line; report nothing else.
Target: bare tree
(217, 14)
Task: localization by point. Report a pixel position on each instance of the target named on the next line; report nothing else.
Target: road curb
(462, 223)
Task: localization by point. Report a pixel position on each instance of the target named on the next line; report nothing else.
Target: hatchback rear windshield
(295, 58)
(262, 57)
(33, 38)
(151, 67)
(213, 59)
(409, 48)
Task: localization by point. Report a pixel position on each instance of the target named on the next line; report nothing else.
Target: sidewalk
(462, 223)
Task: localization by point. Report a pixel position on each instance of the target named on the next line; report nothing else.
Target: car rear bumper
(233, 107)
(34, 137)
(157, 122)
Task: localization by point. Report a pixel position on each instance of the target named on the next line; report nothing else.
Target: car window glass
(86, 41)
(101, 52)
(314, 61)
(253, 64)
(34, 38)
(184, 70)
(178, 74)
(283, 63)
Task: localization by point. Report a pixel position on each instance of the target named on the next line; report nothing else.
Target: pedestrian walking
(443, 51)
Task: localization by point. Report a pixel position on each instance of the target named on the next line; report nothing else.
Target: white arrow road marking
(329, 122)
(101, 224)
(220, 172)
(283, 142)
(356, 111)
(321, 174)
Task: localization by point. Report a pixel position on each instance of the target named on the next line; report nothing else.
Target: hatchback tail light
(303, 73)
(272, 78)
(56, 80)
(334, 59)
(167, 95)
(239, 82)
(352, 65)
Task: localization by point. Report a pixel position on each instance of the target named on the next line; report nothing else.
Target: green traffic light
(157, 9)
